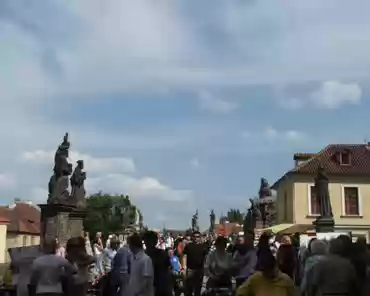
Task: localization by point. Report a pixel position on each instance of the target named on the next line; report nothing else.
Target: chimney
(300, 158)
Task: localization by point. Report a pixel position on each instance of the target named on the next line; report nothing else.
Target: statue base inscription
(61, 222)
(324, 224)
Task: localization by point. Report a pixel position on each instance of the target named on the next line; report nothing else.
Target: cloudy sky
(181, 104)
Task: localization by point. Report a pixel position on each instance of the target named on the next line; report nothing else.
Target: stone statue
(58, 184)
(194, 222)
(212, 219)
(137, 217)
(77, 184)
(322, 191)
(251, 218)
(264, 189)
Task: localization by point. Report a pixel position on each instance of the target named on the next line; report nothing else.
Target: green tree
(235, 216)
(110, 213)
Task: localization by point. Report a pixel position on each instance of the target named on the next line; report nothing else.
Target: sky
(183, 104)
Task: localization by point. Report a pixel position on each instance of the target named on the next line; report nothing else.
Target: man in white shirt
(48, 270)
(108, 254)
(141, 281)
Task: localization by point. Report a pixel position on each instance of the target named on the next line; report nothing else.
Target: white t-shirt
(96, 249)
(141, 268)
(47, 271)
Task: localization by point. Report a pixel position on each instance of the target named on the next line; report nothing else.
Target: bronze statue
(212, 218)
(58, 183)
(77, 184)
(322, 191)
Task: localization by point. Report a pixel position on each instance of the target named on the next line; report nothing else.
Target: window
(24, 240)
(314, 205)
(345, 158)
(351, 201)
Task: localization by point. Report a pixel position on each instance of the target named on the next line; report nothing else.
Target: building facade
(22, 227)
(348, 169)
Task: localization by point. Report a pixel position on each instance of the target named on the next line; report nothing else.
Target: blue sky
(181, 104)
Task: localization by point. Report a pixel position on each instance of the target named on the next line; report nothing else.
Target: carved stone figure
(322, 191)
(77, 184)
(59, 181)
(264, 189)
(212, 219)
(194, 222)
(251, 218)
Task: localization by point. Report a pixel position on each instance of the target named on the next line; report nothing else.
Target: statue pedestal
(61, 221)
(324, 224)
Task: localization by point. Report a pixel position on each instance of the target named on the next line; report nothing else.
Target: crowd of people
(152, 265)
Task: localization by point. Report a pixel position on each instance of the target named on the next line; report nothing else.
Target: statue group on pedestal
(59, 181)
(194, 222)
(253, 214)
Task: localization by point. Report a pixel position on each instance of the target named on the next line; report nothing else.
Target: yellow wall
(285, 202)
(3, 249)
(301, 200)
(14, 240)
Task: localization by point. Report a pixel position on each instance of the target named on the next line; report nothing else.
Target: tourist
(98, 248)
(268, 281)
(169, 240)
(287, 256)
(141, 280)
(244, 259)
(60, 249)
(88, 244)
(120, 273)
(335, 275)
(107, 243)
(218, 265)
(318, 250)
(161, 264)
(193, 264)
(108, 254)
(360, 259)
(47, 272)
(77, 256)
(176, 270)
(263, 248)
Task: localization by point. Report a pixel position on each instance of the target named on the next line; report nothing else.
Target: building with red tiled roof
(228, 228)
(23, 224)
(348, 169)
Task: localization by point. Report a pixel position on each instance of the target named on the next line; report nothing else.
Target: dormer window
(344, 158)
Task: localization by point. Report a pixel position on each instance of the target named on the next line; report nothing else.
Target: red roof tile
(360, 161)
(4, 220)
(23, 218)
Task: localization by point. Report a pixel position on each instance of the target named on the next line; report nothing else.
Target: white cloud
(214, 104)
(271, 133)
(8, 180)
(144, 187)
(329, 95)
(195, 163)
(292, 103)
(92, 164)
(333, 94)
